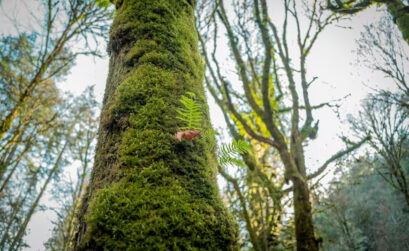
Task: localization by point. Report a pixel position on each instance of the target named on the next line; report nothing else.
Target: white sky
(332, 60)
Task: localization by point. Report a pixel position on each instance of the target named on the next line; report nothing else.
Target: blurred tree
(42, 164)
(68, 192)
(384, 115)
(34, 120)
(16, 59)
(389, 129)
(360, 212)
(382, 50)
(27, 62)
(254, 196)
(366, 207)
(25, 159)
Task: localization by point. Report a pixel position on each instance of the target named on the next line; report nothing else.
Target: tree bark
(147, 190)
(304, 228)
(398, 10)
(295, 171)
(400, 15)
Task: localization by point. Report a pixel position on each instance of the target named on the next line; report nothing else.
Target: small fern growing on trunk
(228, 154)
(191, 115)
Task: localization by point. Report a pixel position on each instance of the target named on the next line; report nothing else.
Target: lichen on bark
(149, 191)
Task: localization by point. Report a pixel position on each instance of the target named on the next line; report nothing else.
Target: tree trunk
(304, 228)
(148, 190)
(68, 233)
(400, 15)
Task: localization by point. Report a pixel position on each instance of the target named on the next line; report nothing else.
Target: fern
(228, 153)
(208, 133)
(190, 113)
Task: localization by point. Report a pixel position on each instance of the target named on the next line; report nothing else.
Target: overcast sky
(332, 60)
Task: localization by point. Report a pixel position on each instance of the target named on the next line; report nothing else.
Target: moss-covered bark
(149, 191)
(304, 228)
(400, 14)
(397, 8)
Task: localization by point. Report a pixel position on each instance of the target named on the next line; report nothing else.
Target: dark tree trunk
(149, 191)
(304, 228)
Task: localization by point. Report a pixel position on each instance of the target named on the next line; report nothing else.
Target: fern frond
(228, 153)
(191, 94)
(191, 112)
(239, 147)
(209, 133)
(228, 160)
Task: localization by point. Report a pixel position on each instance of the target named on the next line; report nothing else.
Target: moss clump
(154, 211)
(400, 16)
(165, 194)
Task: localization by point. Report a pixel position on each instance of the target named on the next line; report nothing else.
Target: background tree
(23, 149)
(398, 9)
(29, 65)
(37, 122)
(50, 56)
(67, 191)
(366, 205)
(384, 115)
(388, 127)
(42, 164)
(382, 50)
(359, 211)
(147, 189)
(270, 72)
(254, 197)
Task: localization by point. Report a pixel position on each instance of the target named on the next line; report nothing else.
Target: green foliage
(229, 153)
(400, 14)
(31, 142)
(103, 3)
(360, 211)
(191, 113)
(18, 66)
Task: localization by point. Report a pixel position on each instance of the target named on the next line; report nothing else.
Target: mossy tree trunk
(149, 191)
(400, 15)
(397, 8)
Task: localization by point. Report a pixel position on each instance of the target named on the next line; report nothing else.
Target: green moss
(400, 16)
(154, 211)
(165, 196)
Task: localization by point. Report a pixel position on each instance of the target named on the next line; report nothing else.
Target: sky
(333, 60)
